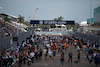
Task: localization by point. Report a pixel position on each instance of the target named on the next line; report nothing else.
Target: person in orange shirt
(68, 46)
(64, 45)
(75, 40)
(84, 46)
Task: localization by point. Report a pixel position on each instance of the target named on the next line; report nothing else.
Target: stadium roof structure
(5, 14)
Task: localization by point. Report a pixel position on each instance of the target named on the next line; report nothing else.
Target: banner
(52, 22)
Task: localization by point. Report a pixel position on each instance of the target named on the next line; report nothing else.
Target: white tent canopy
(83, 23)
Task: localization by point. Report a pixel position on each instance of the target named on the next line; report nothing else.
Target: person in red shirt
(54, 46)
(33, 48)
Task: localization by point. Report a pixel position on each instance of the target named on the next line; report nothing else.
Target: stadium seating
(8, 29)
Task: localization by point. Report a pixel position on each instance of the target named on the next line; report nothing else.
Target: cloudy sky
(78, 10)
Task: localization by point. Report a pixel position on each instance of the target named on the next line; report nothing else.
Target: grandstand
(10, 29)
(13, 18)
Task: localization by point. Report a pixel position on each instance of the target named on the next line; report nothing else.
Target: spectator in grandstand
(8, 29)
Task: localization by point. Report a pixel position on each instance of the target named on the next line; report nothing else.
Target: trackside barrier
(92, 38)
(8, 41)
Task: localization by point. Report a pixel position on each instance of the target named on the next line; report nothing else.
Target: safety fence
(93, 38)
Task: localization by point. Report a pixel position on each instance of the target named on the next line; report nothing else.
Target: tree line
(20, 19)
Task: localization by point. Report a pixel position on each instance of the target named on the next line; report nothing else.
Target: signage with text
(52, 22)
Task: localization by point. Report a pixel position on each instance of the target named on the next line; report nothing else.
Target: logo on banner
(41, 22)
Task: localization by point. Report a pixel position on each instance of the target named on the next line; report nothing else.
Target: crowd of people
(29, 50)
(58, 43)
(7, 29)
(24, 53)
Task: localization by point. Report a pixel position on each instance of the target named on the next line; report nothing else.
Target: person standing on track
(70, 57)
(62, 60)
(78, 56)
(50, 54)
(46, 54)
(32, 54)
(54, 53)
(90, 58)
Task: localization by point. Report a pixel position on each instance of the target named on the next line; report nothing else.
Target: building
(90, 20)
(83, 27)
(97, 15)
(95, 28)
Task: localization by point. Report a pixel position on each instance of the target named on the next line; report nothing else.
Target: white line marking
(46, 64)
(39, 64)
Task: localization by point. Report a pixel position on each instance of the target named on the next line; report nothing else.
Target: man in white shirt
(50, 54)
(44, 51)
(48, 45)
(93, 45)
(32, 56)
(99, 48)
(66, 40)
(94, 54)
(78, 48)
(75, 44)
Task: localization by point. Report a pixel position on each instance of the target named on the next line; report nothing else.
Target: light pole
(29, 18)
(90, 11)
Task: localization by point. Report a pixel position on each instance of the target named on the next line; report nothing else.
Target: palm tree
(59, 18)
(26, 23)
(20, 19)
(7, 19)
(55, 19)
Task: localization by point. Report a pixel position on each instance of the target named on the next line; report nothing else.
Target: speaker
(15, 38)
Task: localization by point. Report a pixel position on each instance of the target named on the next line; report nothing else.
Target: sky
(77, 10)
